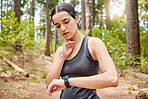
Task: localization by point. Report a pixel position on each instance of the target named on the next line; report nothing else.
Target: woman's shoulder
(96, 46)
(95, 41)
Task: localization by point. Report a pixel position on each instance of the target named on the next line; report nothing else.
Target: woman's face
(66, 25)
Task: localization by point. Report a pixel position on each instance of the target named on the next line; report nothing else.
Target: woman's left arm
(108, 77)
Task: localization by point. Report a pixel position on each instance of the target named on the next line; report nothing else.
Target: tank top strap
(87, 50)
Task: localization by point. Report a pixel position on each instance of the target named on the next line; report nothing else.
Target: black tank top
(80, 66)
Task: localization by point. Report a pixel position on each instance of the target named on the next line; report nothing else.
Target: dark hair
(64, 7)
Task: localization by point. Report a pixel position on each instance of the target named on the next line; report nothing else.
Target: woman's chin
(67, 37)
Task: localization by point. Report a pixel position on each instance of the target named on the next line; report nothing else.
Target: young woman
(78, 60)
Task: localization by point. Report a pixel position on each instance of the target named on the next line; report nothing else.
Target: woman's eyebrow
(65, 19)
(62, 21)
(55, 23)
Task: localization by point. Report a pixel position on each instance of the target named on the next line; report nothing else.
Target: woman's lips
(65, 33)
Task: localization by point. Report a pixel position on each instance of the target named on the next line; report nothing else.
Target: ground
(20, 87)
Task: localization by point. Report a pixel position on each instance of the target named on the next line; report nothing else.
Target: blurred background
(28, 41)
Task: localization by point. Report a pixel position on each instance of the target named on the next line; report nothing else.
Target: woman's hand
(55, 85)
(67, 48)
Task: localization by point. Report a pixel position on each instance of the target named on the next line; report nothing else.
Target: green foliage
(13, 32)
(4, 68)
(144, 41)
(143, 11)
(116, 48)
(72, 2)
(41, 45)
(26, 33)
(5, 53)
(144, 64)
(31, 69)
(35, 79)
(6, 79)
(118, 26)
(53, 3)
(83, 32)
(9, 28)
(96, 32)
(115, 41)
(44, 75)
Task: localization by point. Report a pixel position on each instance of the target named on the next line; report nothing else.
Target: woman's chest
(79, 66)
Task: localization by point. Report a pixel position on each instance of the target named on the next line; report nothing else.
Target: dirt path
(120, 92)
(26, 89)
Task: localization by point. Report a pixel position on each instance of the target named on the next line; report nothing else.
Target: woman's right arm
(56, 67)
(58, 62)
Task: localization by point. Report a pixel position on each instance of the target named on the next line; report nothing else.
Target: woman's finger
(57, 89)
(50, 87)
(70, 44)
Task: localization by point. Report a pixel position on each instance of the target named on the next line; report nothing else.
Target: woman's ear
(76, 17)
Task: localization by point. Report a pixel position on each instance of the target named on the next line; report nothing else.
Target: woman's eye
(58, 26)
(67, 22)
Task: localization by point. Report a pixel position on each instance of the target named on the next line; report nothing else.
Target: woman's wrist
(66, 81)
(63, 56)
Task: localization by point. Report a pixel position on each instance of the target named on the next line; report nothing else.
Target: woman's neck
(77, 38)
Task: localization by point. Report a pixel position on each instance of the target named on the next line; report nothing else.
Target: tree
(99, 12)
(83, 23)
(88, 18)
(47, 48)
(93, 13)
(17, 9)
(31, 9)
(7, 5)
(1, 6)
(107, 14)
(101, 15)
(132, 28)
(1, 13)
(74, 3)
(55, 40)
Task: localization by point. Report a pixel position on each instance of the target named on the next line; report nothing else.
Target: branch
(14, 66)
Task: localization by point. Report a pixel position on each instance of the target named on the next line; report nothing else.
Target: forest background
(28, 36)
(20, 31)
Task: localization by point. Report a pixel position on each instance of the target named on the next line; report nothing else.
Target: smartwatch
(66, 82)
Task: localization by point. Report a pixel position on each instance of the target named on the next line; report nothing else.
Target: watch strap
(66, 81)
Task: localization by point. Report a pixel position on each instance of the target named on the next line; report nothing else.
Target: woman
(78, 60)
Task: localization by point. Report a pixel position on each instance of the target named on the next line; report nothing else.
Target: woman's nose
(63, 28)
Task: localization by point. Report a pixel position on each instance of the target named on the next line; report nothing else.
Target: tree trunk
(132, 28)
(83, 25)
(7, 5)
(1, 14)
(31, 9)
(88, 18)
(97, 19)
(47, 48)
(93, 13)
(1, 7)
(75, 3)
(55, 40)
(101, 15)
(14, 66)
(107, 15)
(17, 9)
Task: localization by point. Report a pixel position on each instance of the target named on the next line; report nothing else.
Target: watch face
(66, 82)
